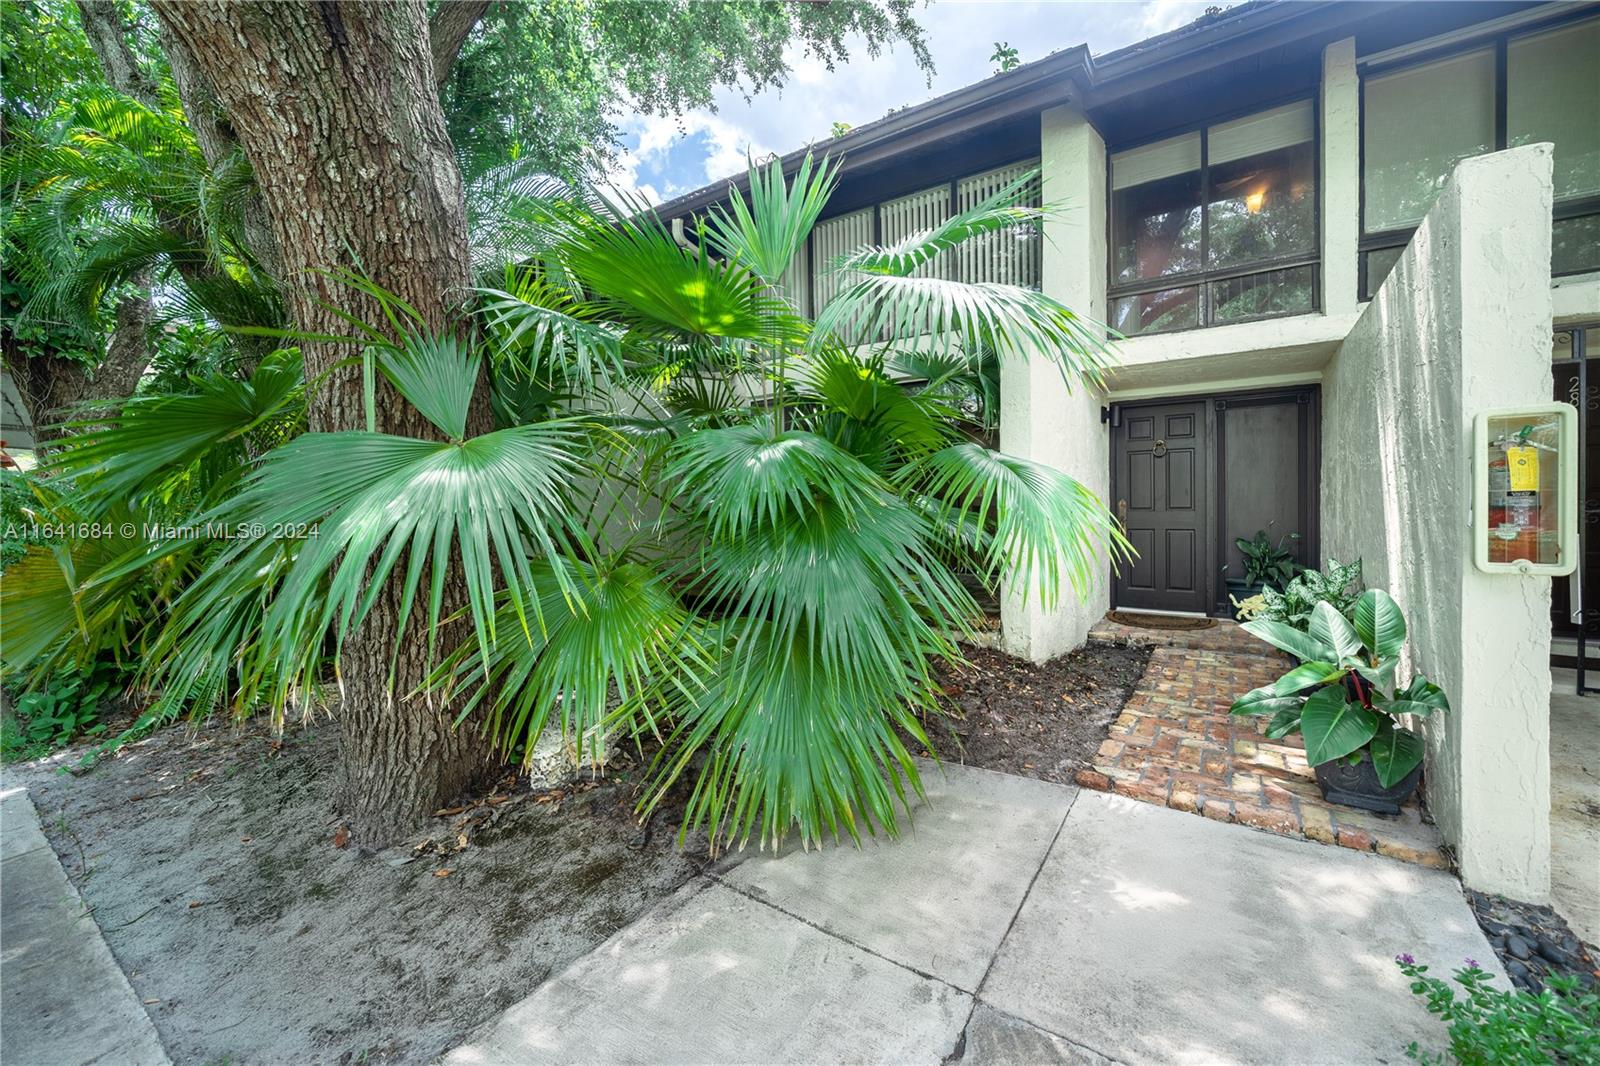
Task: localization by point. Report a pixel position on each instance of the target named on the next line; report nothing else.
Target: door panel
(1161, 456)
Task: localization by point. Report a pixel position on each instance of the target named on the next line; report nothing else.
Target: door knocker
(1160, 449)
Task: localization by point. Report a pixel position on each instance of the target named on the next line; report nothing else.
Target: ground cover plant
(1560, 1024)
(678, 510)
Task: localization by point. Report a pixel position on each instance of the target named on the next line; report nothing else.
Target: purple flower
(1405, 960)
(1472, 963)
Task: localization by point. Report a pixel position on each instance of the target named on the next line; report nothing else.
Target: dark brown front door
(1161, 458)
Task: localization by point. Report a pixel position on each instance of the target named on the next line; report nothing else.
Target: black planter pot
(1241, 589)
(1358, 785)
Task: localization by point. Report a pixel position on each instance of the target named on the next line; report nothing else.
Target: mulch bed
(1044, 721)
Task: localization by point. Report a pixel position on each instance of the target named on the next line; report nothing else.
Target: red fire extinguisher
(1514, 499)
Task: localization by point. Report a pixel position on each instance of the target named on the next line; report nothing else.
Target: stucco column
(1041, 418)
(1460, 326)
(1341, 176)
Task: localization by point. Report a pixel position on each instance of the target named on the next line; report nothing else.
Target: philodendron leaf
(1283, 723)
(1381, 676)
(1287, 638)
(1330, 627)
(1312, 673)
(1422, 697)
(1380, 624)
(1395, 753)
(1264, 700)
(1334, 728)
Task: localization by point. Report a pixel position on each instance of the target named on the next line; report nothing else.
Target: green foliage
(18, 525)
(62, 710)
(1338, 585)
(1004, 57)
(1353, 704)
(704, 519)
(1489, 1025)
(544, 82)
(110, 190)
(1265, 563)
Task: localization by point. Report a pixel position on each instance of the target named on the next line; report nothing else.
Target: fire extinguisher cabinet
(1525, 491)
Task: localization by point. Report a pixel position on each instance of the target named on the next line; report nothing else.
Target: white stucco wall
(1040, 417)
(1341, 177)
(1460, 326)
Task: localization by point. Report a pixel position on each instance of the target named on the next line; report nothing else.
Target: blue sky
(664, 157)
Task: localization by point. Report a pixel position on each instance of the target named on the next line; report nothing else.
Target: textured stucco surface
(1460, 326)
(1040, 417)
(1341, 176)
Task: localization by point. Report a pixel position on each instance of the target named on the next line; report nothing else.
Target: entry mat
(1160, 621)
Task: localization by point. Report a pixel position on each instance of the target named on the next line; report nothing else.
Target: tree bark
(448, 31)
(217, 142)
(335, 106)
(108, 37)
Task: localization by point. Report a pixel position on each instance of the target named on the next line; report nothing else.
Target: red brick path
(1176, 745)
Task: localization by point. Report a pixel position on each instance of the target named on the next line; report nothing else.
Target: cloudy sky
(666, 157)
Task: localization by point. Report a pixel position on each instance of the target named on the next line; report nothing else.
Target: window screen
(1419, 123)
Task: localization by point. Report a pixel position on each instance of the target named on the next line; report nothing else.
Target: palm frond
(1004, 210)
(1034, 524)
(621, 637)
(154, 439)
(768, 232)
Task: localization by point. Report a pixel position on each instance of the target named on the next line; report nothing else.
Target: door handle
(1122, 511)
(1159, 449)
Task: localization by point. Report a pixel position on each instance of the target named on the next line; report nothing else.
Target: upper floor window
(1218, 225)
(1418, 122)
(1009, 257)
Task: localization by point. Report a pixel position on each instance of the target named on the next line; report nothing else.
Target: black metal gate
(1575, 611)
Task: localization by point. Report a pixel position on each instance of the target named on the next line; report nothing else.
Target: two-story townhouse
(1329, 233)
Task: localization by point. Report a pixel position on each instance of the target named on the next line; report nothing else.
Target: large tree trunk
(334, 104)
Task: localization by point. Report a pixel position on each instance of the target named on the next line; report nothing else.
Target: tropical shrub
(1490, 1025)
(1342, 697)
(700, 518)
(1267, 563)
(1338, 585)
(18, 527)
(63, 709)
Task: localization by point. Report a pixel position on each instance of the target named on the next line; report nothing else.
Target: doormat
(1159, 621)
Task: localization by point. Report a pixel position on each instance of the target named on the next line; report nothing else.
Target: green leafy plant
(1489, 1025)
(63, 709)
(1267, 563)
(704, 519)
(1342, 697)
(1337, 584)
(18, 526)
(1004, 57)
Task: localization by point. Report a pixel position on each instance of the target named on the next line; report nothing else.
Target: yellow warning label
(1524, 469)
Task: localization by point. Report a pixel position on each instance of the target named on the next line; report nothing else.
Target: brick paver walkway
(1176, 745)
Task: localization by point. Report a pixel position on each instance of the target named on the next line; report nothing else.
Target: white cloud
(1164, 15)
(961, 36)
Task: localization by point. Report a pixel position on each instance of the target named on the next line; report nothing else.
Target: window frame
(1203, 278)
(1399, 237)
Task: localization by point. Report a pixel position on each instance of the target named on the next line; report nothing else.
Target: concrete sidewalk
(63, 998)
(1019, 922)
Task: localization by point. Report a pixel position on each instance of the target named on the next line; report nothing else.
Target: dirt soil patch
(1044, 721)
(210, 864)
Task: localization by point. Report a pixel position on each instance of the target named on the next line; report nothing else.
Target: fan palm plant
(705, 519)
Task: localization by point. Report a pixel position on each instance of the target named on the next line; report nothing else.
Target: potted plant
(1265, 564)
(1339, 585)
(1342, 699)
